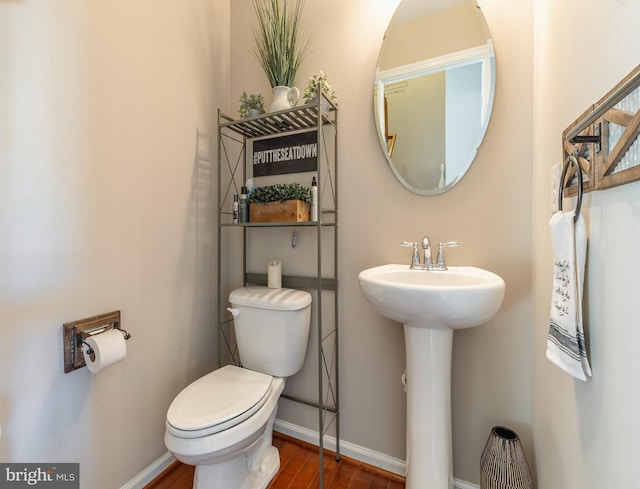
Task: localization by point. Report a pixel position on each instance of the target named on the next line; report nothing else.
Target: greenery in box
(279, 193)
(311, 92)
(250, 102)
(280, 41)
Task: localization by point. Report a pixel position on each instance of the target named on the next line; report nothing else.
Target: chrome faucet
(427, 263)
(416, 264)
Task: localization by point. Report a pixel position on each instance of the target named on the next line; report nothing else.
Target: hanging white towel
(565, 341)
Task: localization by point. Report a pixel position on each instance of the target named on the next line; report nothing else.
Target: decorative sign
(285, 154)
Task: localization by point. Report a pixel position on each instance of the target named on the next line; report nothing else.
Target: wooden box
(287, 211)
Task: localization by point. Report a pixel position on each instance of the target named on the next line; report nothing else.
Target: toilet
(223, 422)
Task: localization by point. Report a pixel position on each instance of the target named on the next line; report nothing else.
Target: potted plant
(319, 81)
(282, 202)
(251, 105)
(280, 46)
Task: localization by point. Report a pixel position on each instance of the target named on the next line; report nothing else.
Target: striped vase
(503, 464)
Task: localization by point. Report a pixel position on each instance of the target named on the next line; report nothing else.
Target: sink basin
(460, 297)
(431, 305)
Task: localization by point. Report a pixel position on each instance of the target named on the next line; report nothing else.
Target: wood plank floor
(298, 469)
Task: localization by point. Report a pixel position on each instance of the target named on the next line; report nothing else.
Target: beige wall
(586, 433)
(489, 212)
(103, 206)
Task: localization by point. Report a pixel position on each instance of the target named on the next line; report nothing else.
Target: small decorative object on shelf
(503, 464)
(286, 202)
(251, 105)
(280, 46)
(319, 80)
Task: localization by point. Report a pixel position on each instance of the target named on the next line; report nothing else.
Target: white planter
(284, 98)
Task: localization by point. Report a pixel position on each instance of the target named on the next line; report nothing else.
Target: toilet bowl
(229, 444)
(223, 422)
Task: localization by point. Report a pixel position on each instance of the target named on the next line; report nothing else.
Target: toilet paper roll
(274, 274)
(108, 348)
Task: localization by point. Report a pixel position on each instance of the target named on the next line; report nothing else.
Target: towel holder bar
(586, 139)
(571, 160)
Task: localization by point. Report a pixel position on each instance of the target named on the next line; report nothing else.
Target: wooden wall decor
(605, 138)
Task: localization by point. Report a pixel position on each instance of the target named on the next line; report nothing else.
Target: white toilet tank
(272, 328)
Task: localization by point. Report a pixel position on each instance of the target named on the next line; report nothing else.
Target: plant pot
(287, 211)
(325, 106)
(284, 98)
(503, 464)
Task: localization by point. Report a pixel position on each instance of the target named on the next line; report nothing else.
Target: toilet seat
(218, 401)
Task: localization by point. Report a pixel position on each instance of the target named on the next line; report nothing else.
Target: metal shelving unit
(234, 138)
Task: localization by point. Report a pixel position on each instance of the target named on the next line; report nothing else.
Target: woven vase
(503, 464)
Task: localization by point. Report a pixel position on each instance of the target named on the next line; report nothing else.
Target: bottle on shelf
(235, 208)
(314, 199)
(243, 207)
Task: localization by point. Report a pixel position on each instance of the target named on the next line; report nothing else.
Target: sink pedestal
(431, 305)
(429, 450)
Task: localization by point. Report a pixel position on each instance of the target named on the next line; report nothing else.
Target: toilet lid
(218, 401)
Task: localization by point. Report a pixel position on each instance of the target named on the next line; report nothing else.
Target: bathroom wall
(586, 432)
(489, 212)
(104, 205)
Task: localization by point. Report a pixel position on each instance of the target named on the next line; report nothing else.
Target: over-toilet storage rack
(235, 143)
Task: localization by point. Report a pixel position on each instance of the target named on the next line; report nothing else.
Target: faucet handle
(415, 254)
(449, 244)
(440, 264)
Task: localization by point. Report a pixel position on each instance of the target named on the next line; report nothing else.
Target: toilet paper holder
(75, 333)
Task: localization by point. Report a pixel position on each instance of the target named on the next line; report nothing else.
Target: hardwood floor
(298, 469)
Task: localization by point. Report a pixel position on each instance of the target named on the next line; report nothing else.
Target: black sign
(285, 154)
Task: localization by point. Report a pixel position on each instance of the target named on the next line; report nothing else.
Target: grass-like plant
(281, 42)
(279, 193)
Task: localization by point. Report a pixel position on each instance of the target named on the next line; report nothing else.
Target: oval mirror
(433, 92)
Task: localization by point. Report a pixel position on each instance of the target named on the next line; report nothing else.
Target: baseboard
(151, 472)
(458, 484)
(365, 455)
(362, 454)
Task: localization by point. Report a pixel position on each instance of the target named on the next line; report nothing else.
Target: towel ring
(567, 163)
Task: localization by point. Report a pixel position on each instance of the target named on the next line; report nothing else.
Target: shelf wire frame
(307, 117)
(232, 184)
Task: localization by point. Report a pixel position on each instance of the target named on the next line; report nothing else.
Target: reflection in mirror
(434, 91)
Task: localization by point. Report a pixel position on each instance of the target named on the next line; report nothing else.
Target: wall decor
(604, 139)
(285, 154)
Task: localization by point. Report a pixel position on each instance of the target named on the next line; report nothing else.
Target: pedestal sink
(431, 305)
